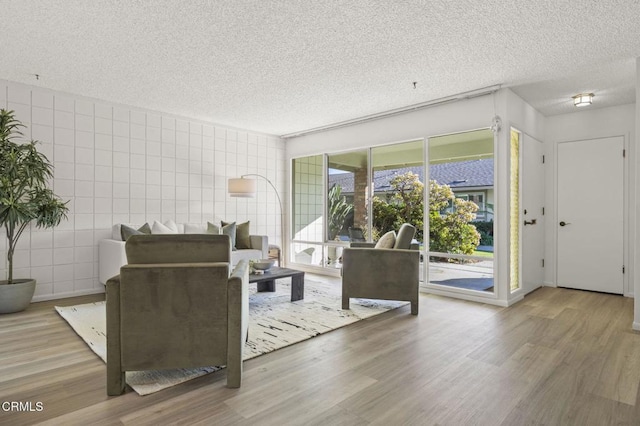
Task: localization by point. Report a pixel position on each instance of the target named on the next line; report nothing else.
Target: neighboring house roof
(464, 174)
(459, 174)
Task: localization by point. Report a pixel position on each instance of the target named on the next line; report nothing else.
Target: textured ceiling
(285, 66)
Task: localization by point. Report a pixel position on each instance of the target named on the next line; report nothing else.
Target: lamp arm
(272, 185)
(279, 202)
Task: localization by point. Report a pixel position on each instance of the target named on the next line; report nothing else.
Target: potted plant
(24, 197)
(339, 209)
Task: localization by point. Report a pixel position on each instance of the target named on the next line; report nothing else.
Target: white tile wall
(122, 164)
(307, 209)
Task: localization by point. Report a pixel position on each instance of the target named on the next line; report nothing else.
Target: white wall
(437, 120)
(523, 117)
(120, 164)
(633, 206)
(581, 125)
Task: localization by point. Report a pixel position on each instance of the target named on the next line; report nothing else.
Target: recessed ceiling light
(583, 99)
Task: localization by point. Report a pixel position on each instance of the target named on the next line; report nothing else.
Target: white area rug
(275, 322)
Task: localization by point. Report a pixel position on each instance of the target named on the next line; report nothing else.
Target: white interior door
(532, 200)
(590, 224)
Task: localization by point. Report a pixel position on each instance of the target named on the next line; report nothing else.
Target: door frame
(551, 225)
(542, 217)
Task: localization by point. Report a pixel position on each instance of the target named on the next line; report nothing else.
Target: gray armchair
(176, 305)
(383, 273)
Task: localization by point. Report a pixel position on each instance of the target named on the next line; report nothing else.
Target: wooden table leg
(297, 287)
(269, 285)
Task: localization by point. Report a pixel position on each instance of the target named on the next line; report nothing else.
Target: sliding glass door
(461, 211)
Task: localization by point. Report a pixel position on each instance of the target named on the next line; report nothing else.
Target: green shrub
(404, 204)
(449, 232)
(486, 232)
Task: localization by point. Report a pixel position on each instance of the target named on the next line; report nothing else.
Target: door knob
(563, 223)
(530, 222)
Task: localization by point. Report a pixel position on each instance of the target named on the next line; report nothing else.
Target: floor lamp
(247, 188)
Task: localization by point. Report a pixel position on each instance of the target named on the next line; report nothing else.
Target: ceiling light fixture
(583, 99)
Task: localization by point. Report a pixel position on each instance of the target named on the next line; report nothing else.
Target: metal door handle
(563, 223)
(530, 222)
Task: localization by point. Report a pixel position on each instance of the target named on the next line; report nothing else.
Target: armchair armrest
(115, 376)
(238, 311)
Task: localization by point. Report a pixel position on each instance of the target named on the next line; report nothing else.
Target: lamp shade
(241, 187)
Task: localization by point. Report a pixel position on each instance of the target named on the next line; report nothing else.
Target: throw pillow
(127, 231)
(159, 228)
(213, 229)
(243, 241)
(387, 241)
(405, 236)
(172, 225)
(230, 230)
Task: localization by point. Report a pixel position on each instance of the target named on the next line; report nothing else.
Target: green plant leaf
(24, 194)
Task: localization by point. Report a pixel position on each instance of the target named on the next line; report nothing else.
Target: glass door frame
(444, 289)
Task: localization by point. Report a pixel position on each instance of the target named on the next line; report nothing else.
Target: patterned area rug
(275, 322)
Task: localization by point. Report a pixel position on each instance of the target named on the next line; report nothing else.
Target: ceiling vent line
(434, 102)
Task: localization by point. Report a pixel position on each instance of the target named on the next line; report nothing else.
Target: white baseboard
(515, 299)
(43, 297)
(636, 326)
(464, 296)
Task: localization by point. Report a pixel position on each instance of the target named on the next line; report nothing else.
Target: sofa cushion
(387, 241)
(127, 231)
(197, 228)
(251, 254)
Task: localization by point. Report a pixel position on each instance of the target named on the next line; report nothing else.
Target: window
(461, 170)
(307, 210)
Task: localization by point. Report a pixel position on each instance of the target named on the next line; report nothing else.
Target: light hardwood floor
(559, 357)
